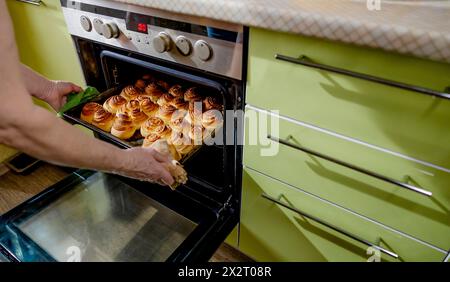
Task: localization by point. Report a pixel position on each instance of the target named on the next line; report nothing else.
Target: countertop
(416, 27)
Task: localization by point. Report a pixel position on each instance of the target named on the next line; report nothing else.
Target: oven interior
(212, 170)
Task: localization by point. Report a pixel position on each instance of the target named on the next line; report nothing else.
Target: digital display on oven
(138, 23)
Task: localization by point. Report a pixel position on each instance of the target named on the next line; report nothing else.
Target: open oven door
(92, 216)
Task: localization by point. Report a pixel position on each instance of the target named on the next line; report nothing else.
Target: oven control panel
(144, 31)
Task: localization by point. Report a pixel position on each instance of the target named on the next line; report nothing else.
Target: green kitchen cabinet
(407, 122)
(233, 238)
(43, 41)
(421, 216)
(273, 229)
(399, 134)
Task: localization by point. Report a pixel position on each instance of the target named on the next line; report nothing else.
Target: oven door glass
(93, 217)
(3, 258)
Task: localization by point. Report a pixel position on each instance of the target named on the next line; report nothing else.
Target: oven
(94, 216)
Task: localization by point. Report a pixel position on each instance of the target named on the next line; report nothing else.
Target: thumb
(76, 88)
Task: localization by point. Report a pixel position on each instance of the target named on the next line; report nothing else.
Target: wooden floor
(15, 188)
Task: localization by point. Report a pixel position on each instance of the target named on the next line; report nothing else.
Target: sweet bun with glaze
(129, 107)
(88, 111)
(150, 139)
(165, 112)
(154, 91)
(114, 103)
(130, 93)
(192, 95)
(148, 107)
(164, 85)
(140, 84)
(138, 117)
(123, 126)
(176, 91)
(211, 103)
(180, 104)
(212, 119)
(165, 99)
(103, 119)
(177, 120)
(153, 125)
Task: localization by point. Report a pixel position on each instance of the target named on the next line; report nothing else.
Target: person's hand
(148, 165)
(56, 96)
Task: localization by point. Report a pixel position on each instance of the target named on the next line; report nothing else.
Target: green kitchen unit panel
(419, 215)
(404, 121)
(43, 41)
(281, 223)
(233, 238)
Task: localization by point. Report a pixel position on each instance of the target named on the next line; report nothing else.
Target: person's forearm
(41, 134)
(36, 84)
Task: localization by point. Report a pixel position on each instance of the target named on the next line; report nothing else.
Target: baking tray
(73, 117)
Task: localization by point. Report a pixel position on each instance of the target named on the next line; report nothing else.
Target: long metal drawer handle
(350, 166)
(337, 229)
(305, 61)
(33, 2)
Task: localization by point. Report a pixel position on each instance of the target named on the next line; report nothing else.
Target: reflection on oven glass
(104, 219)
(3, 258)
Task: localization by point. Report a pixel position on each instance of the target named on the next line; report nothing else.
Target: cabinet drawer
(422, 216)
(278, 232)
(405, 121)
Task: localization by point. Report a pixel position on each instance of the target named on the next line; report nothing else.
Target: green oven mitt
(75, 99)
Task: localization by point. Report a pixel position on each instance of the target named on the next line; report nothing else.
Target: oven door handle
(350, 166)
(305, 61)
(324, 223)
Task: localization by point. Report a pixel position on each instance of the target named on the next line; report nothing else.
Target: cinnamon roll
(130, 93)
(177, 120)
(166, 133)
(88, 111)
(103, 120)
(148, 107)
(165, 112)
(165, 99)
(147, 77)
(138, 117)
(140, 84)
(150, 139)
(192, 95)
(181, 142)
(176, 91)
(114, 103)
(212, 119)
(153, 125)
(180, 104)
(154, 91)
(123, 126)
(194, 115)
(196, 134)
(129, 107)
(211, 103)
(164, 85)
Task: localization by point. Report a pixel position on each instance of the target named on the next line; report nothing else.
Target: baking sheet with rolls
(150, 109)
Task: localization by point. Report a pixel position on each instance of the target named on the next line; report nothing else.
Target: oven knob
(86, 23)
(162, 42)
(110, 30)
(183, 45)
(202, 50)
(98, 26)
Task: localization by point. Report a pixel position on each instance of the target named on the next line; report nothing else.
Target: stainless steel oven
(93, 216)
